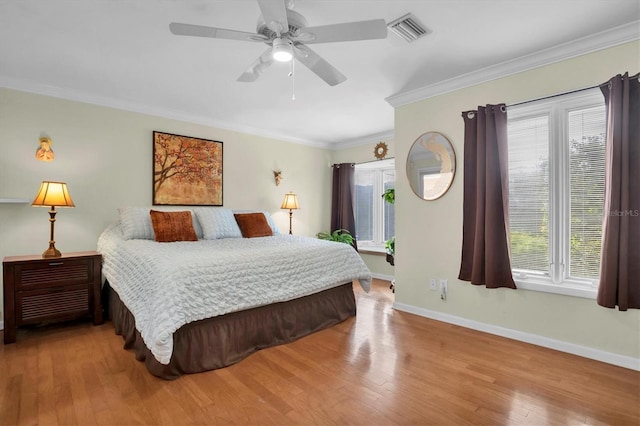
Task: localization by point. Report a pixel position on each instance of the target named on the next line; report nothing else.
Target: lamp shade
(290, 201)
(54, 194)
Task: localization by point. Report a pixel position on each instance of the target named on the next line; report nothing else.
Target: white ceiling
(121, 54)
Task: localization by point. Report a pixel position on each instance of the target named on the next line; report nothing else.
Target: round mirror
(431, 165)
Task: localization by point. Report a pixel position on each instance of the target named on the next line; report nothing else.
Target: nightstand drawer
(54, 272)
(53, 303)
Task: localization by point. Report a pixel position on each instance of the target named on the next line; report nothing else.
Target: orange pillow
(173, 226)
(253, 225)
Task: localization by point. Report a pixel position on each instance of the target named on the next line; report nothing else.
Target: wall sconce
(290, 202)
(277, 174)
(52, 194)
(45, 152)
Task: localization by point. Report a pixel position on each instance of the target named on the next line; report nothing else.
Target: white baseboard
(583, 351)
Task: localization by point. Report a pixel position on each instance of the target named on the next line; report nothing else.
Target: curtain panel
(620, 261)
(485, 234)
(343, 199)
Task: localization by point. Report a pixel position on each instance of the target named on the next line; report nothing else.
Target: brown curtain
(485, 232)
(342, 199)
(620, 263)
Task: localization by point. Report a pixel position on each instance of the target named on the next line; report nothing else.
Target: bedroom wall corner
(376, 262)
(105, 156)
(429, 234)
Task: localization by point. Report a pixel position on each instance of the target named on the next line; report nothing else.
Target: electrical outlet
(434, 284)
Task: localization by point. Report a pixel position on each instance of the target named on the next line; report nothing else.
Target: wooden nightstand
(54, 289)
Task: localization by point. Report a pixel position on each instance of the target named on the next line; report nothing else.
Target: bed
(192, 306)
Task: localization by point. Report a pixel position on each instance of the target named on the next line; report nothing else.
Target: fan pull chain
(293, 80)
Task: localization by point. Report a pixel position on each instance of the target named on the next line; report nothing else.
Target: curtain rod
(568, 93)
(376, 161)
(364, 162)
(553, 96)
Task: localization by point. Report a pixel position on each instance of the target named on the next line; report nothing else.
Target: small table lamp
(290, 202)
(52, 194)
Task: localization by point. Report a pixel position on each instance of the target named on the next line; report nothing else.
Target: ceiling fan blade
(319, 66)
(349, 31)
(274, 13)
(257, 67)
(201, 31)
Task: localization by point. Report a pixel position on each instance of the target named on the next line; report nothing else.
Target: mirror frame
(442, 143)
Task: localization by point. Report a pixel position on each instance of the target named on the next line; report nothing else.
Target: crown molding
(363, 140)
(592, 43)
(78, 96)
(616, 36)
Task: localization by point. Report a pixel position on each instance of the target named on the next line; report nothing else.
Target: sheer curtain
(485, 233)
(620, 263)
(342, 199)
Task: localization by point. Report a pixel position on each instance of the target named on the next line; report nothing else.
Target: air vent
(408, 28)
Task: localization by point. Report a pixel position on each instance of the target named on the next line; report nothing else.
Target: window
(374, 216)
(556, 193)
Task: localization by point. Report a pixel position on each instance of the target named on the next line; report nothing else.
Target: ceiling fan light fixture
(282, 50)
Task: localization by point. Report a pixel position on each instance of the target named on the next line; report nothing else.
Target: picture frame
(187, 171)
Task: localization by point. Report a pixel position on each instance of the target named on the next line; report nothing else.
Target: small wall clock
(380, 151)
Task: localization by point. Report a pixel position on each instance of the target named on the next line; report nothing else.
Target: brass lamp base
(290, 219)
(52, 251)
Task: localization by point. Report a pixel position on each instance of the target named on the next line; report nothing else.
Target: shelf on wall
(14, 200)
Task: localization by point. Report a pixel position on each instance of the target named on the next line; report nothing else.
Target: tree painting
(186, 170)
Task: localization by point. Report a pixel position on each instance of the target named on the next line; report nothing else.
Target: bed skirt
(227, 339)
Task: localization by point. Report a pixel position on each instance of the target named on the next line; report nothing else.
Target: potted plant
(339, 235)
(390, 247)
(389, 196)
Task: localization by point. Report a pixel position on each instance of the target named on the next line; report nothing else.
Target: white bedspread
(167, 285)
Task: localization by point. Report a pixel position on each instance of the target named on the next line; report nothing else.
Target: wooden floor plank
(382, 367)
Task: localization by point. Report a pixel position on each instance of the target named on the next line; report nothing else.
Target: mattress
(168, 285)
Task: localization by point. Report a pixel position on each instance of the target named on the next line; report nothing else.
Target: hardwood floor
(383, 367)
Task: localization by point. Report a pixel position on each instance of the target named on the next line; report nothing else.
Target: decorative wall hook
(277, 174)
(45, 152)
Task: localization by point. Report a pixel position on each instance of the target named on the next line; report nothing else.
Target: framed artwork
(186, 171)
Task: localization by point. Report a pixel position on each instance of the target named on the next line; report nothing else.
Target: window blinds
(568, 169)
(586, 138)
(529, 193)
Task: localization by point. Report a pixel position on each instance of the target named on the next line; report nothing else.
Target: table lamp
(52, 194)
(290, 202)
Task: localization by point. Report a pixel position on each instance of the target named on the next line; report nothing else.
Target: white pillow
(274, 228)
(270, 221)
(217, 222)
(136, 221)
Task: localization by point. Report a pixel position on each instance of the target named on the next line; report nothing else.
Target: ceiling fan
(286, 33)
